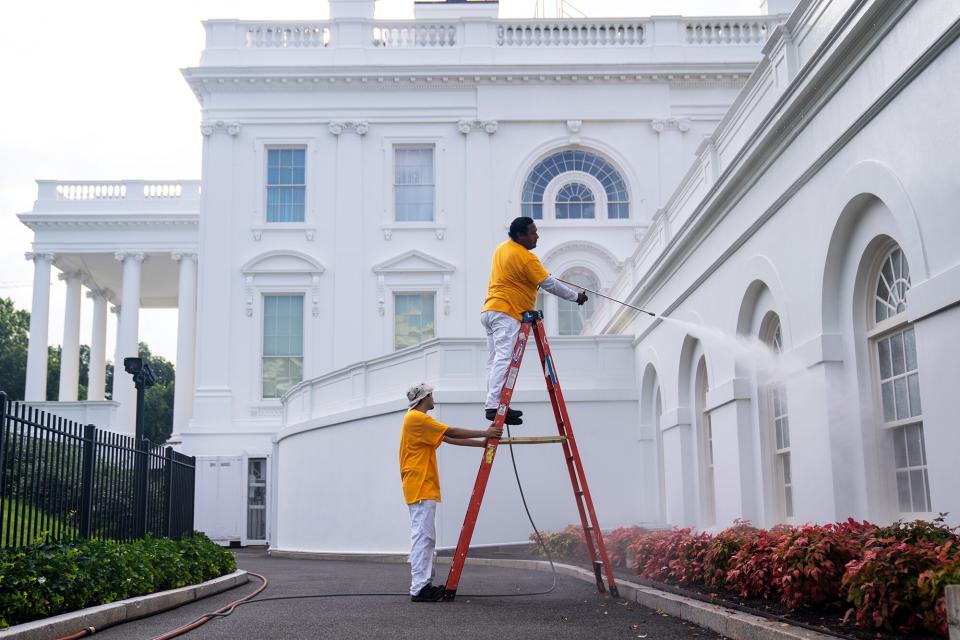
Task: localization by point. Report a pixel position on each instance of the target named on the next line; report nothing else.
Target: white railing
(408, 35)
(568, 33)
(722, 31)
(306, 35)
(100, 190)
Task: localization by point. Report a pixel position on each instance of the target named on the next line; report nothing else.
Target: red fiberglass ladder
(533, 321)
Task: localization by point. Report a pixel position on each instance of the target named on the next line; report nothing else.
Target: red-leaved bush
(884, 584)
(808, 562)
(893, 576)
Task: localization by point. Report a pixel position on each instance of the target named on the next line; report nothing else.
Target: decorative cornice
(122, 256)
(220, 126)
(487, 126)
(111, 221)
(661, 124)
(359, 127)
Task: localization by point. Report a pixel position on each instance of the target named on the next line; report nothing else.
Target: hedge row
(45, 579)
(888, 578)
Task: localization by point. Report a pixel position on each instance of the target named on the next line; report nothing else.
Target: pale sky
(94, 92)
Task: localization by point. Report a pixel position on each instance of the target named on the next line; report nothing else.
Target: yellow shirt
(419, 439)
(514, 277)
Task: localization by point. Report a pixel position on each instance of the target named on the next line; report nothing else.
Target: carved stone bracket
(248, 295)
(315, 294)
(387, 234)
(487, 126)
(359, 127)
(220, 126)
(446, 294)
(662, 124)
(381, 295)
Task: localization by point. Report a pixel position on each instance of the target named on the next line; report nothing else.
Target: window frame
(265, 146)
(412, 290)
(875, 332)
(548, 202)
(389, 223)
(265, 292)
(772, 326)
(558, 302)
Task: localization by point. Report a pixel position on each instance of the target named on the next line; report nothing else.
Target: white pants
(501, 336)
(423, 540)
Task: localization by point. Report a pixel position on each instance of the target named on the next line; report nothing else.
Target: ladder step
(533, 439)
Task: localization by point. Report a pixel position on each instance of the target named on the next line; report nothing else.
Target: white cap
(417, 393)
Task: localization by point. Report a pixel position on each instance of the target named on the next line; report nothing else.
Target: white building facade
(358, 173)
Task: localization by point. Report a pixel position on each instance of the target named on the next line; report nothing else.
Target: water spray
(578, 286)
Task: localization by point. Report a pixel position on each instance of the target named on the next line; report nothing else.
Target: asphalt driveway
(573, 610)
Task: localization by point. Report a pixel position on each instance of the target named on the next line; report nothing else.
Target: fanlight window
(531, 201)
(575, 201)
(892, 286)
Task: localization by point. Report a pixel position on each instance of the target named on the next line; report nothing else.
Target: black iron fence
(61, 480)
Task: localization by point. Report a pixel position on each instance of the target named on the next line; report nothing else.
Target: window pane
(883, 350)
(899, 448)
(788, 501)
(915, 454)
(282, 344)
(413, 319)
(910, 347)
(787, 477)
(889, 415)
(918, 490)
(903, 491)
(896, 343)
(785, 429)
(900, 391)
(913, 382)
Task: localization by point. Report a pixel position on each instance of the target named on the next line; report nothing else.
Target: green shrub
(47, 579)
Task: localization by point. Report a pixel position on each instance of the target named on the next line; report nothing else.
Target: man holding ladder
(515, 275)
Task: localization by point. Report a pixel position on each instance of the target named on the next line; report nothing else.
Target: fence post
(951, 594)
(168, 490)
(86, 480)
(3, 447)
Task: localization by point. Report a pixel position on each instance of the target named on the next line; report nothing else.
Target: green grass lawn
(14, 513)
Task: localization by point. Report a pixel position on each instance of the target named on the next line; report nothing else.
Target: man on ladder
(515, 275)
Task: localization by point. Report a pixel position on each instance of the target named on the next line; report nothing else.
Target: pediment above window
(292, 262)
(413, 261)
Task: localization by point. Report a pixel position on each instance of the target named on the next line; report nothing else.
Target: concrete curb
(728, 622)
(108, 615)
(388, 558)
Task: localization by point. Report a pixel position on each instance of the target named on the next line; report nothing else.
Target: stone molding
(177, 256)
(359, 127)
(220, 126)
(486, 126)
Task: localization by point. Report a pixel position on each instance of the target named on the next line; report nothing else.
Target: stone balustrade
(415, 34)
(133, 195)
(724, 31)
(569, 33)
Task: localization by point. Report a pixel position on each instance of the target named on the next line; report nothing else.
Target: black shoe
(429, 593)
(513, 416)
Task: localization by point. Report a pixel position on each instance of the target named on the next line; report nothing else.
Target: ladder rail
(533, 322)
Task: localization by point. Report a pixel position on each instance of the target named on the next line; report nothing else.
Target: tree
(158, 400)
(14, 338)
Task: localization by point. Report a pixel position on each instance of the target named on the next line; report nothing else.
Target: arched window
(778, 418)
(575, 201)
(893, 340)
(609, 179)
(570, 316)
(705, 437)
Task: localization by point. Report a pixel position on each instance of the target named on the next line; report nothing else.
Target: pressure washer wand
(649, 313)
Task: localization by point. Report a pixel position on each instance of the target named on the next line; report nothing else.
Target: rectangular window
(413, 183)
(781, 427)
(900, 403)
(282, 343)
(286, 184)
(413, 319)
(257, 499)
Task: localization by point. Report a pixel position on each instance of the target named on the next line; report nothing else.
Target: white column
(186, 339)
(482, 231)
(36, 383)
(98, 347)
(70, 346)
(348, 271)
(128, 331)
